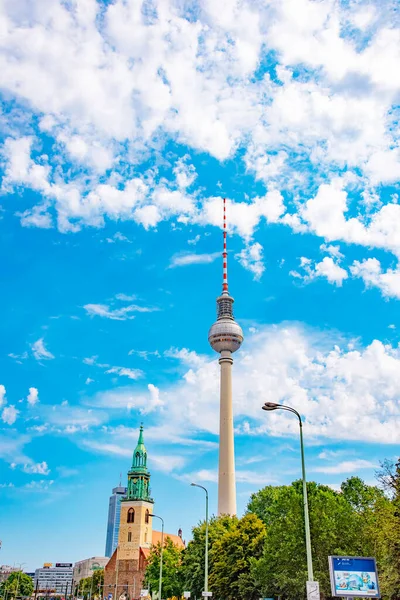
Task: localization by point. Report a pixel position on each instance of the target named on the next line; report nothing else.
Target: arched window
(137, 458)
(129, 536)
(146, 516)
(131, 516)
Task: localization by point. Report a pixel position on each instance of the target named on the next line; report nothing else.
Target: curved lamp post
(206, 549)
(273, 406)
(161, 553)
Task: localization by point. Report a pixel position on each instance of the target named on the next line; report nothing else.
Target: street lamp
(161, 553)
(273, 406)
(206, 553)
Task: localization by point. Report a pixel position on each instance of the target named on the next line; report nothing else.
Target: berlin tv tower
(225, 337)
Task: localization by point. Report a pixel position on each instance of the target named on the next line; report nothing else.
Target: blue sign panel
(354, 576)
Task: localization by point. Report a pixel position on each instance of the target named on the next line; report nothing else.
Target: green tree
(232, 555)
(172, 577)
(18, 585)
(91, 586)
(388, 530)
(194, 555)
(335, 529)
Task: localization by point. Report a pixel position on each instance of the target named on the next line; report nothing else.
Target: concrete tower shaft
(225, 337)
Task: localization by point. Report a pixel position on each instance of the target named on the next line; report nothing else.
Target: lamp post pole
(206, 548)
(273, 406)
(161, 553)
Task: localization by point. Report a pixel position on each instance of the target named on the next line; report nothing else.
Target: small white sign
(144, 593)
(206, 594)
(186, 594)
(313, 590)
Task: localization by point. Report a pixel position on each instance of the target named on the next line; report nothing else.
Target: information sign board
(186, 594)
(354, 577)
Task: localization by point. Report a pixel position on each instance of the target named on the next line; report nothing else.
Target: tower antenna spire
(224, 257)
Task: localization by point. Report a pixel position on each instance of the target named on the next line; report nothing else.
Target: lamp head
(270, 406)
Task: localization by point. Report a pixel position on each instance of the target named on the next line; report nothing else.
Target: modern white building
(114, 511)
(54, 579)
(86, 568)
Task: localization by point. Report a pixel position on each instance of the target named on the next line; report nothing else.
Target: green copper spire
(140, 454)
(139, 476)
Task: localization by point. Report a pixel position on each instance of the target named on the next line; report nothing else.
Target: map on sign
(354, 576)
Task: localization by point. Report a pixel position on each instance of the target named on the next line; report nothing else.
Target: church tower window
(131, 516)
(146, 516)
(129, 536)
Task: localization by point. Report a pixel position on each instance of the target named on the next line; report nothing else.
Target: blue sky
(123, 124)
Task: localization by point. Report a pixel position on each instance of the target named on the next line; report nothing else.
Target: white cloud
(38, 468)
(42, 485)
(128, 398)
(2, 394)
(117, 314)
(33, 396)
(165, 463)
(347, 466)
(145, 354)
(126, 372)
(137, 99)
(184, 259)
(370, 271)
(186, 357)
(195, 240)
(40, 351)
(251, 258)
(327, 268)
(342, 391)
(185, 174)
(9, 414)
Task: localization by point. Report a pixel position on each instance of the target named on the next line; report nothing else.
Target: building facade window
(131, 516)
(146, 516)
(129, 536)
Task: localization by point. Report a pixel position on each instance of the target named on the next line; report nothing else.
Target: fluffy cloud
(343, 392)
(137, 99)
(40, 351)
(38, 468)
(326, 268)
(9, 414)
(33, 396)
(251, 258)
(371, 272)
(2, 394)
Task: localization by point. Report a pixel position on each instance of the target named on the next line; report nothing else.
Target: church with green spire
(139, 475)
(125, 571)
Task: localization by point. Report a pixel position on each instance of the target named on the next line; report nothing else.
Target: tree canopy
(17, 585)
(263, 554)
(90, 587)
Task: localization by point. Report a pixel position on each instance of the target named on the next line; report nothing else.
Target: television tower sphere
(225, 334)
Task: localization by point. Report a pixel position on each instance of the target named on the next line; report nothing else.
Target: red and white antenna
(225, 257)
